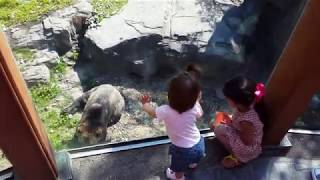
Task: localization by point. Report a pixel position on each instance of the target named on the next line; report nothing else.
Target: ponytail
(260, 108)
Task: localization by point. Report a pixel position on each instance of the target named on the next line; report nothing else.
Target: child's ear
(200, 96)
(231, 103)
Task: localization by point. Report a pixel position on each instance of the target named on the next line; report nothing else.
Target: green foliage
(60, 68)
(107, 8)
(60, 127)
(43, 94)
(23, 53)
(21, 11)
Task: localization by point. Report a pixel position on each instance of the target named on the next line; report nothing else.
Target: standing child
(180, 118)
(242, 133)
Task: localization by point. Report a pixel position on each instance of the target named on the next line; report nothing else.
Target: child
(180, 118)
(242, 133)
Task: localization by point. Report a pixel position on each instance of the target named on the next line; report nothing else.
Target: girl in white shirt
(180, 117)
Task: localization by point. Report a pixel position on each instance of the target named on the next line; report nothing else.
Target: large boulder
(46, 57)
(158, 38)
(34, 75)
(58, 32)
(32, 37)
(64, 27)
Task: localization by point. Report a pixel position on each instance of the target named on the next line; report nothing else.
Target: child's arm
(247, 132)
(198, 110)
(198, 106)
(147, 107)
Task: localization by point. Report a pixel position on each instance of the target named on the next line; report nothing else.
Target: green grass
(107, 8)
(23, 53)
(14, 12)
(43, 94)
(60, 68)
(60, 127)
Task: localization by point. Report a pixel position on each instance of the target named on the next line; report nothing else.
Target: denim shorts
(181, 158)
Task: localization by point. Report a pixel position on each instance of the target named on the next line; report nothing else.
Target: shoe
(193, 166)
(171, 175)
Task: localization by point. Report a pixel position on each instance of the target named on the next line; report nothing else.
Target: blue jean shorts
(181, 158)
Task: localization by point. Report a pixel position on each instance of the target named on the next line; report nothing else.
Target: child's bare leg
(220, 132)
(179, 175)
(174, 175)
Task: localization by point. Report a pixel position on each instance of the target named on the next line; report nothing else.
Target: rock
(71, 58)
(58, 31)
(69, 55)
(230, 2)
(62, 27)
(77, 15)
(84, 8)
(80, 20)
(75, 93)
(71, 78)
(131, 94)
(46, 57)
(31, 37)
(34, 75)
(150, 38)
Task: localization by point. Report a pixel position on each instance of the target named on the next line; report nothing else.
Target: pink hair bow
(260, 92)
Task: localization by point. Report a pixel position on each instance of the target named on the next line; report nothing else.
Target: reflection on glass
(310, 119)
(136, 46)
(4, 163)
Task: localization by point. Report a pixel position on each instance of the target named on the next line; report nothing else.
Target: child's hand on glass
(145, 98)
(146, 106)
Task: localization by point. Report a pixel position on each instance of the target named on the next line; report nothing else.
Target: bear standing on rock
(103, 107)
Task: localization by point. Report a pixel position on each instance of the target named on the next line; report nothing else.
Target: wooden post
(296, 77)
(22, 136)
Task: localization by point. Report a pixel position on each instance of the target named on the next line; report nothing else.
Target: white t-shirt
(181, 128)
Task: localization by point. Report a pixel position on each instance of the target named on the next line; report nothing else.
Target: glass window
(69, 55)
(310, 119)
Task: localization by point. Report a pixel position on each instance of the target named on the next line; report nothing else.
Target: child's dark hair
(241, 90)
(184, 89)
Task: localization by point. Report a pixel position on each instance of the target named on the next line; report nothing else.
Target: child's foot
(230, 162)
(193, 166)
(171, 175)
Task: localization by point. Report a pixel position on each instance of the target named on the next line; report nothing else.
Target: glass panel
(310, 119)
(4, 163)
(136, 47)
